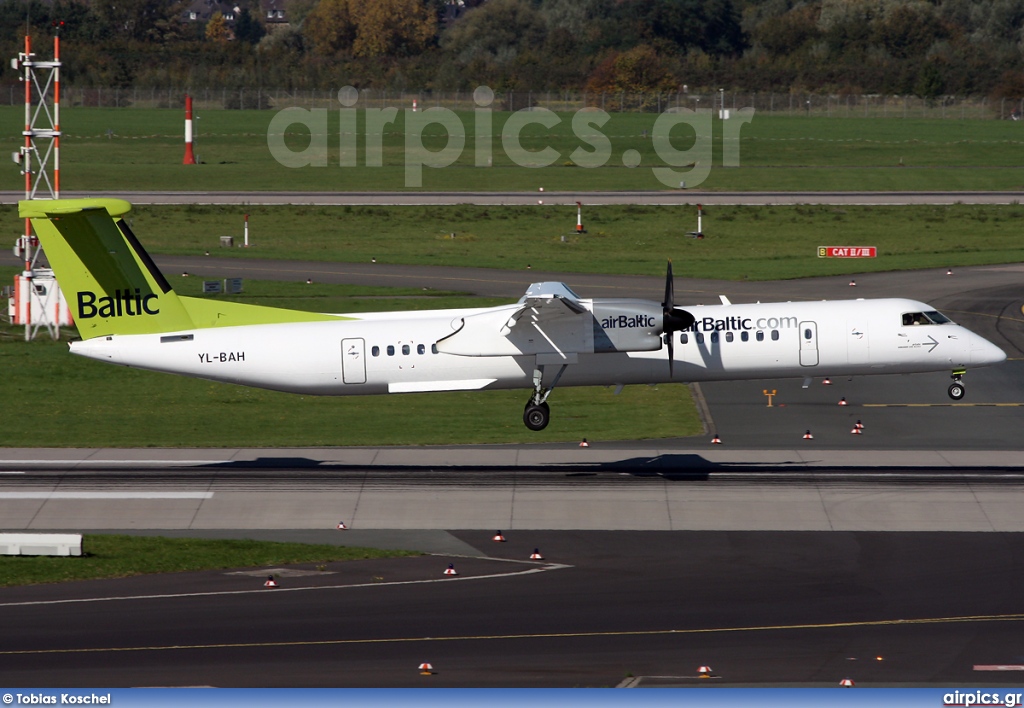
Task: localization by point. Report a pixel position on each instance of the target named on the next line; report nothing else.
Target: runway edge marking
(540, 568)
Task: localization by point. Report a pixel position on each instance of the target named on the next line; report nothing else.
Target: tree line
(927, 48)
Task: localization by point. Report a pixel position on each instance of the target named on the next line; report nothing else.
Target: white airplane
(127, 313)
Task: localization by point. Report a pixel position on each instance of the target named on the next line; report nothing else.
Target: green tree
(139, 20)
(787, 33)
(496, 32)
(248, 28)
(908, 31)
(930, 82)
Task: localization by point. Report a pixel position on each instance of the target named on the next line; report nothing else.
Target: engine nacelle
(627, 325)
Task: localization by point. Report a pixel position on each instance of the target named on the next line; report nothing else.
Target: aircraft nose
(984, 352)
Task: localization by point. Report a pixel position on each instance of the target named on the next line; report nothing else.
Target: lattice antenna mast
(40, 155)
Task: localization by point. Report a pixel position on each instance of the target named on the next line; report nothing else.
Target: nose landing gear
(956, 389)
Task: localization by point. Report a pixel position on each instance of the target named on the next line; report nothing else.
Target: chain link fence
(847, 105)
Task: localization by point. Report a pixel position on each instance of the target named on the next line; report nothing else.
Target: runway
(893, 557)
(653, 198)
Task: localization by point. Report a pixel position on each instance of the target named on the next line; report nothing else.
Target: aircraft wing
(549, 319)
(548, 301)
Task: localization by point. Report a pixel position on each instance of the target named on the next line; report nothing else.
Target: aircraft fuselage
(372, 353)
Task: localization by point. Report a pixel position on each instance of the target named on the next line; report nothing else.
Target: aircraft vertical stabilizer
(110, 282)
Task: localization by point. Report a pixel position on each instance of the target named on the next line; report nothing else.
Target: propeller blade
(674, 319)
(669, 290)
(668, 316)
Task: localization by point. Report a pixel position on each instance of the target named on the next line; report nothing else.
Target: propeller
(673, 319)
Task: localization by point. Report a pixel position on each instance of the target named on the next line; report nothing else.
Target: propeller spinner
(673, 319)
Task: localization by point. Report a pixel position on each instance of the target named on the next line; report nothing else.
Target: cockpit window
(937, 317)
(924, 318)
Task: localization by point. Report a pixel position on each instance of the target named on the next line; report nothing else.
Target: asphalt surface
(605, 608)
(659, 198)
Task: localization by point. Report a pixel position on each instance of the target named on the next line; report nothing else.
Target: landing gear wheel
(537, 417)
(956, 391)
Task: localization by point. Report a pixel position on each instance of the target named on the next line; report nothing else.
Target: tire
(956, 391)
(537, 417)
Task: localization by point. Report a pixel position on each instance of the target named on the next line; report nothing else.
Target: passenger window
(391, 350)
(760, 336)
(375, 351)
(714, 337)
(700, 337)
(728, 336)
(405, 349)
(775, 335)
(745, 336)
(420, 349)
(684, 338)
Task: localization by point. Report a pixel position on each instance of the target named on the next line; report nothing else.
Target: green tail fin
(110, 282)
(114, 287)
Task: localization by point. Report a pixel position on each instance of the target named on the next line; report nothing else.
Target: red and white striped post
(579, 218)
(26, 160)
(247, 231)
(56, 110)
(190, 157)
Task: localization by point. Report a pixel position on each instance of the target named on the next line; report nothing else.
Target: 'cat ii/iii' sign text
(847, 251)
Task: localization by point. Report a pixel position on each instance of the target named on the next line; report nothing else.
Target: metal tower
(39, 158)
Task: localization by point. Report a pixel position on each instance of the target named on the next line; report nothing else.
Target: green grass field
(125, 149)
(755, 243)
(84, 403)
(111, 556)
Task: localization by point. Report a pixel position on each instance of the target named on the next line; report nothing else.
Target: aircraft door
(353, 360)
(858, 346)
(808, 344)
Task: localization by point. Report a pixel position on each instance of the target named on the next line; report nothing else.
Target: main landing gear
(956, 389)
(537, 413)
(536, 417)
